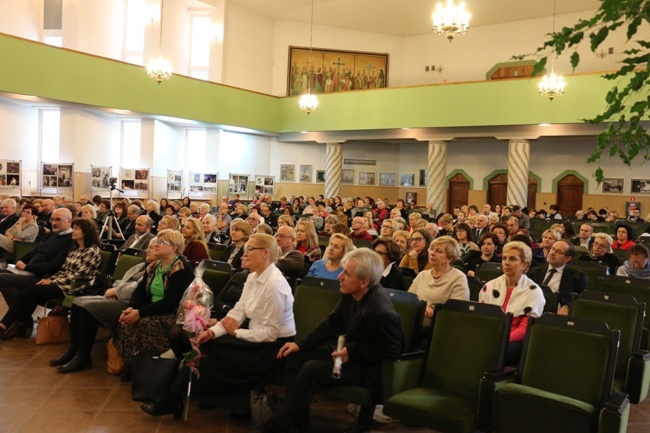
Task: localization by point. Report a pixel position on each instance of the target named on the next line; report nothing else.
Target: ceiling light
(450, 20)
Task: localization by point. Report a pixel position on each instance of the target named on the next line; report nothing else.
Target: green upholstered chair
(312, 302)
(127, 260)
(441, 391)
(594, 270)
(564, 382)
(216, 275)
(637, 287)
(552, 299)
(488, 271)
(622, 312)
(216, 250)
(475, 286)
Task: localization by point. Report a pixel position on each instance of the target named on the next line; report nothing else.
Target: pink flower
(196, 319)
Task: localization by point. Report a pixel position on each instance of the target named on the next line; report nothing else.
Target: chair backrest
(475, 286)
(639, 288)
(22, 248)
(552, 299)
(620, 312)
(216, 250)
(408, 280)
(321, 282)
(411, 312)
(107, 264)
(621, 255)
(603, 228)
(127, 260)
(570, 356)
(488, 271)
(361, 243)
(469, 338)
(217, 265)
(311, 304)
(594, 270)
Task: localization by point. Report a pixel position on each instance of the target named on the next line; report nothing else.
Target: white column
(518, 160)
(437, 166)
(333, 169)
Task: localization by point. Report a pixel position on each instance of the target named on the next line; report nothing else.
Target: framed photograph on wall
(287, 172)
(320, 176)
(347, 176)
(407, 179)
(99, 177)
(387, 179)
(424, 175)
(366, 178)
(305, 173)
(639, 186)
(411, 198)
(613, 185)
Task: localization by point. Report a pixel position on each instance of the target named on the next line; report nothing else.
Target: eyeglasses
(58, 220)
(381, 253)
(386, 226)
(555, 250)
(159, 242)
(603, 246)
(416, 239)
(284, 236)
(248, 249)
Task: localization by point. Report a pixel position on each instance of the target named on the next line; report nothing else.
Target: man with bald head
(291, 261)
(142, 234)
(46, 213)
(8, 216)
(44, 260)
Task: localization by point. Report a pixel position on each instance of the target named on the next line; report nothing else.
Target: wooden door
(458, 193)
(532, 192)
(569, 195)
(498, 190)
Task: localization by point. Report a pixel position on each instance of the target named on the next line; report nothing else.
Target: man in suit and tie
(142, 234)
(558, 276)
(8, 216)
(584, 239)
(480, 227)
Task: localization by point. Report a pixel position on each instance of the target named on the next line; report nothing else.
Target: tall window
(200, 46)
(131, 140)
(195, 149)
(50, 134)
(134, 23)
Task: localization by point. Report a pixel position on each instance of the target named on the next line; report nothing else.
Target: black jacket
(572, 281)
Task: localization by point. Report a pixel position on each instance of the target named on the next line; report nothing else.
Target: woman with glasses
(145, 324)
(417, 258)
(25, 229)
(465, 239)
(388, 251)
(601, 252)
(237, 359)
(169, 223)
(330, 266)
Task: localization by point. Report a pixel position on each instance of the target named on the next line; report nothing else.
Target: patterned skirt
(149, 335)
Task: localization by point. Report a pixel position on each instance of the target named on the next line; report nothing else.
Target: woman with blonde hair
(169, 223)
(240, 231)
(196, 250)
(88, 212)
(401, 238)
(549, 237)
(183, 214)
(307, 240)
(152, 210)
(286, 220)
(330, 266)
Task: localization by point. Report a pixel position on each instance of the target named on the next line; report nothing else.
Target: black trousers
(306, 372)
(83, 330)
(12, 284)
(27, 302)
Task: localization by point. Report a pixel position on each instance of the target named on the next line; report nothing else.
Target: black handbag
(152, 377)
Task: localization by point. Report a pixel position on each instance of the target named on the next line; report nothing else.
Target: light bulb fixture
(552, 85)
(309, 102)
(451, 20)
(159, 69)
(601, 54)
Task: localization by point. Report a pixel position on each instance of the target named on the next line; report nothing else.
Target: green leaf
(539, 67)
(633, 26)
(599, 175)
(575, 60)
(598, 37)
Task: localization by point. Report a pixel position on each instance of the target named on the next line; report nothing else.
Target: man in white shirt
(584, 239)
(142, 236)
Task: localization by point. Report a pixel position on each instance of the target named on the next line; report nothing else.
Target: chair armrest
(490, 383)
(401, 373)
(614, 416)
(637, 380)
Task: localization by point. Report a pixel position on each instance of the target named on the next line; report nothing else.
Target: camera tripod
(110, 217)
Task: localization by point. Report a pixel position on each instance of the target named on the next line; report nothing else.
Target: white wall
(87, 138)
(23, 18)
(19, 138)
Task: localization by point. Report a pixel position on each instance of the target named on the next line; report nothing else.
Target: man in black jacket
(45, 259)
(8, 216)
(559, 277)
(365, 315)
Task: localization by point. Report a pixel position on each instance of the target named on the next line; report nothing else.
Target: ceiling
(407, 18)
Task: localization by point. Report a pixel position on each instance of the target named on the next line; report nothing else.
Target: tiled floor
(35, 398)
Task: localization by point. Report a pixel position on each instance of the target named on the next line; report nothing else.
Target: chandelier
(552, 85)
(451, 20)
(159, 68)
(309, 102)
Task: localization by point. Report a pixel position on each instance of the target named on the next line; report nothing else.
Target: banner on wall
(174, 184)
(134, 181)
(264, 184)
(10, 174)
(238, 184)
(99, 177)
(56, 176)
(202, 184)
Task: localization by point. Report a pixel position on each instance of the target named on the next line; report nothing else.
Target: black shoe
(125, 376)
(77, 363)
(159, 409)
(66, 357)
(17, 330)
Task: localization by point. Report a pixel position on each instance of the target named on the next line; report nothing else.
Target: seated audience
(488, 246)
(637, 263)
(240, 231)
(388, 228)
(417, 258)
(307, 240)
(515, 293)
(330, 266)
(81, 263)
(209, 223)
(549, 238)
(286, 220)
(196, 250)
(169, 222)
(152, 210)
(358, 230)
(442, 282)
(391, 277)
(24, 230)
(402, 240)
(465, 239)
(601, 252)
(624, 237)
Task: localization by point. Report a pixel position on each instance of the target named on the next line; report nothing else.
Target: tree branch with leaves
(628, 102)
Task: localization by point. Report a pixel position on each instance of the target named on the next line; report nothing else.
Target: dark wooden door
(498, 190)
(569, 195)
(458, 193)
(532, 192)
